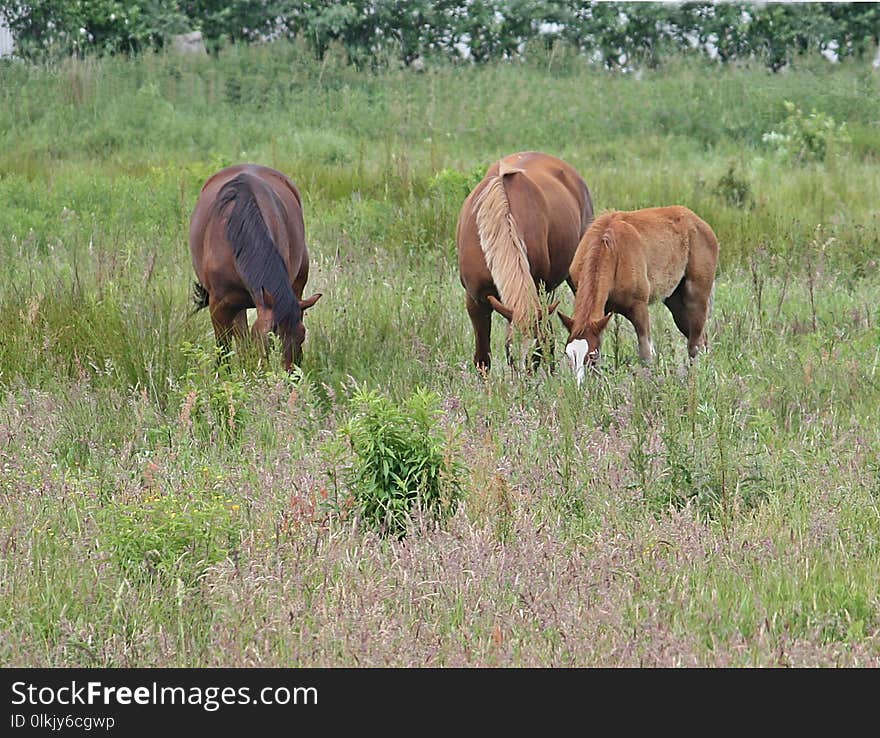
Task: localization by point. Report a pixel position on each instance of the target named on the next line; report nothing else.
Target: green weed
(171, 535)
(403, 465)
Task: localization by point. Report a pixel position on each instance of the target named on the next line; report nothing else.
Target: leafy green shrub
(453, 186)
(170, 535)
(806, 137)
(733, 189)
(402, 463)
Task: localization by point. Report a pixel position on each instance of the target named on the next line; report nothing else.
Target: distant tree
(234, 20)
(373, 31)
(855, 27)
(779, 31)
(417, 29)
(624, 33)
(58, 27)
(714, 29)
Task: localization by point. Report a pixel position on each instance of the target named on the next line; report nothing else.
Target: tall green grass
(157, 510)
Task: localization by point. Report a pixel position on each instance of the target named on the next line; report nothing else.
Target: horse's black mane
(256, 256)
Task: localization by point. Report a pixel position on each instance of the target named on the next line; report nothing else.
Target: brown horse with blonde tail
(248, 248)
(517, 233)
(629, 259)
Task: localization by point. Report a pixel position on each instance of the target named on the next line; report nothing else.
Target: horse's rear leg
(689, 305)
(639, 316)
(227, 322)
(675, 303)
(481, 319)
(697, 307)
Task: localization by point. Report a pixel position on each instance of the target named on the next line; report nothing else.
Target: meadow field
(156, 510)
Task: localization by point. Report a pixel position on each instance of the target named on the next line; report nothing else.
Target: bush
(805, 138)
(733, 189)
(402, 463)
(453, 186)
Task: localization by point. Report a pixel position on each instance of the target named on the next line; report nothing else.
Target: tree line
(374, 32)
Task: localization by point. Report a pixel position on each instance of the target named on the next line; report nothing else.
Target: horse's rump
(257, 258)
(665, 242)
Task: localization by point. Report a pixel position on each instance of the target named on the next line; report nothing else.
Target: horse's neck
(595, 284)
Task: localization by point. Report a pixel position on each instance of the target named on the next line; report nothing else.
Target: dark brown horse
(247, 242)
(517, 233)
(629, 259)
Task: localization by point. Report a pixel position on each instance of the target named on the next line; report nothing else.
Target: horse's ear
(500, 308)
(602, 322)
(550, 310)
(306, 304)
(566, 321)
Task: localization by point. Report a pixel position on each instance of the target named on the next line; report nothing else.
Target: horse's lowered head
(582, 346)
(289, 328)
(536, 326)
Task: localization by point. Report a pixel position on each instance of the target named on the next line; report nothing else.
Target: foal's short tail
(256, 256)
(505, 250)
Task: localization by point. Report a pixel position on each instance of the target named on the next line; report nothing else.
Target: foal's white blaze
(577, 351)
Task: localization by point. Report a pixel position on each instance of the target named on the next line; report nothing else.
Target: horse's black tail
(256, 257)
(199, 296)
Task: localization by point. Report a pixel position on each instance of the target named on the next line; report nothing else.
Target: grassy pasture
(153, 513)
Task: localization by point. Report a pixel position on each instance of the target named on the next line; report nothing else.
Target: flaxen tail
(505, 250)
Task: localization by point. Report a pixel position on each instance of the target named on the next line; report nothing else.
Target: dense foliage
(376, 31)
(403, 465)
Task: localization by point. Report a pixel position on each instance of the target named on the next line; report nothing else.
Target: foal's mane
(598, 238)
(504, 248)
(256, 256)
